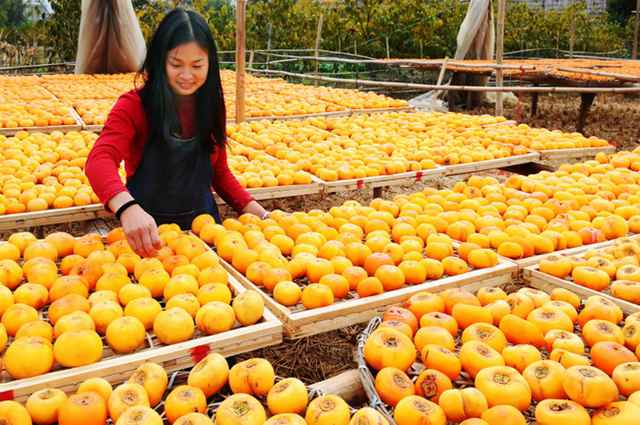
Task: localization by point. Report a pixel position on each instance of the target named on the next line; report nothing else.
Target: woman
(171, 136)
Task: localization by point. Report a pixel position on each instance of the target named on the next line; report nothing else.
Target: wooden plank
(539, 280)
(559, 154)
(532, 261)
(492, 164)
(358, 310)
(47, 129)
(344, 113)
(53, 216)
(96, 128)
(172, 357)
(507, 123)
(383, 181)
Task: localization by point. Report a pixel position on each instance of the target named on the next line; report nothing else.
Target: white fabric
(110, 39)
(476, 37)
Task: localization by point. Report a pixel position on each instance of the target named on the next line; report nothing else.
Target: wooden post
(269, 29)
(240, 59)
(355, 47)
(634, 53)
(572, 31)
(499, 54)
(317, 47)
(421, 50)
(386, 40)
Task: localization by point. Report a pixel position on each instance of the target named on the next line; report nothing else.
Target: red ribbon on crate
(200, 352)
(360, 184)
(6, 395)
(419, 176)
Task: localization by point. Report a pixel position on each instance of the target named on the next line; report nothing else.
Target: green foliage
(62, 28)
(12, 13)
(414, 28)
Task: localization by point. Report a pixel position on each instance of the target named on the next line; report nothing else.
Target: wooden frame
(543, 281)
(534, 260)
(52, 216)
(577, 153)
(173, 357)
(358, 310)
(492, 164)
(382, 181)
(48, 129)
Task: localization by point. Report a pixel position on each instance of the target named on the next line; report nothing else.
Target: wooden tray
(117, 368)
(382, 181)
(359, 310)
(52, 216)
(546, 282)
(492, 164)
(578, 153)
(47, 129)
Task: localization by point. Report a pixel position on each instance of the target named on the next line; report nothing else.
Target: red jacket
(123, 138)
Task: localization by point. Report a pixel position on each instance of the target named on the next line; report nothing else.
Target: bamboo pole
(426, 87)
(317, 47)
(499, 54)
(636, 27)
(240, 60)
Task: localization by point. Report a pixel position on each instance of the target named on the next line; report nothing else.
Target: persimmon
(393, 385)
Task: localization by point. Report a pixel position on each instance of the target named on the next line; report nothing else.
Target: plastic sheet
(110, 39)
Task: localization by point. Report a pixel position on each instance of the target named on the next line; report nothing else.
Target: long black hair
(182, 26)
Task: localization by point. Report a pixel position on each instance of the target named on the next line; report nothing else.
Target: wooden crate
(53, 216)
(47, 129)
(492, 164)
(382, 181)
(298, 324)
(117, 368)
(543, 281)
(96, 128)
(578, 153)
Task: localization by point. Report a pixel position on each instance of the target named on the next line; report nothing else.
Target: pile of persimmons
(487, 358)
(246, 394)
(60, 295)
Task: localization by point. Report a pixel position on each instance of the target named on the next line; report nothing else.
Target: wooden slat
(532, 261)
(47, 129)
(171, 357)
(359, 310)
(347, 385)
(578, 153)
(543, 281)
(383, 181)
(53, 216)
(492, 164)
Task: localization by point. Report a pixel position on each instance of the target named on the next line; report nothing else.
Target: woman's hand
(256, 209)
(141, 231)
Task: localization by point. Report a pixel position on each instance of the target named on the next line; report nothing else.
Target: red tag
(200, 352)
(419, 176)
(6, 395)
(360, 184)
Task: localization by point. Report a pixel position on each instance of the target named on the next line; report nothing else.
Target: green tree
(62, 28)
(12, 13)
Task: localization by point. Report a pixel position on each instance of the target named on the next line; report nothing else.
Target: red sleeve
(225, 184)
(115, 144)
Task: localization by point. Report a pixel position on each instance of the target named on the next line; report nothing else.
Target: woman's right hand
(141, 231)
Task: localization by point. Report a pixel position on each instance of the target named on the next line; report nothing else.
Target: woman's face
(187, 67)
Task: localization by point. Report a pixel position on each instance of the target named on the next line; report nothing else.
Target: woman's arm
(226, 185)
(115, 143)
